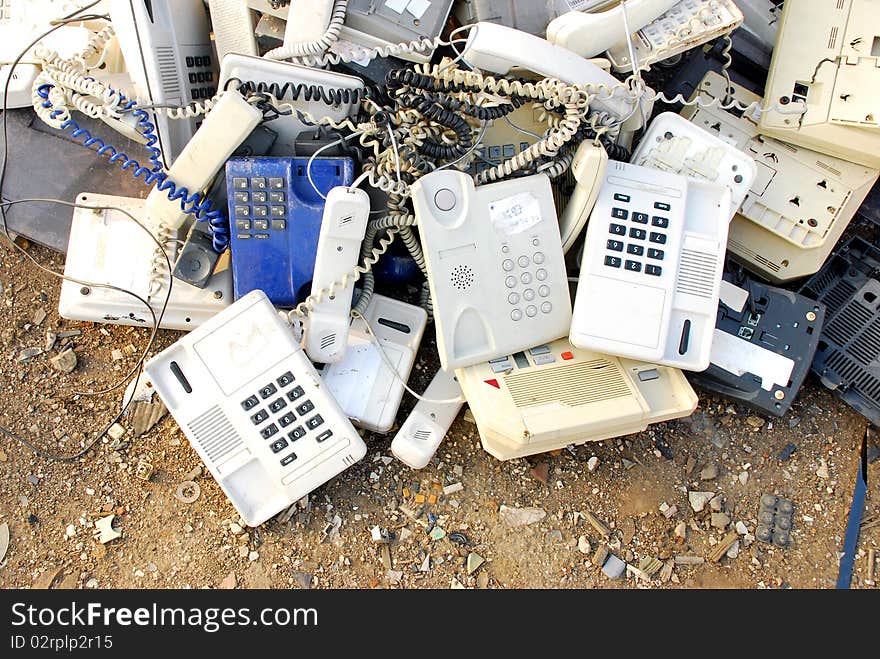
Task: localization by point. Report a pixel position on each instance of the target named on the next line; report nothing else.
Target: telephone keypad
(635, 245)
(268, 427)
(521, 265)
(256, 201)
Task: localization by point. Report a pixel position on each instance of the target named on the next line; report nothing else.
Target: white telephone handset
(499, 49)
(343, 226)
(590, 34)
(233, 23)
(426, 426)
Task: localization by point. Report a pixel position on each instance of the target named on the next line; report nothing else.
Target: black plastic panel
(777, 320)
(847, 357)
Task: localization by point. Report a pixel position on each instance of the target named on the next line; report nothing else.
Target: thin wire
(522, 130)
(138, 367)
(315, 155)
(3, 168)
(375, 341)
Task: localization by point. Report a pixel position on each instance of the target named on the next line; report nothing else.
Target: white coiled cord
(312, 48)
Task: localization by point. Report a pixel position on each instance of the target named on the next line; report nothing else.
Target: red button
(567, 355)
(493, 382)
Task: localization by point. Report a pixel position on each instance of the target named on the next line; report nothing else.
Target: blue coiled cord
(195, 204)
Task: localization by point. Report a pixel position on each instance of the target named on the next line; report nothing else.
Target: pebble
(474, 561)
(592, 463)
(92, 583)
(540, 472)
(115, 431)
(483, 580)
(555, 534)
(709, 472)
(786, 453)
(64, 362)
(229, 582)
(29, 353)
(51, 338)
(755, 422)
(521, 516)
(302, 579)
(426, 564)
(451, 489)
(33, 480)
(39, 316)
(235, 529)
(437, 533)
(698, 500)
(822, 471)
(733, 552)
(3, 457)
(720, 520)
(70, 531)
(584, 545)
(243, 551)
(116, 354)
(743, 477)
(681, 530)
(716, 503)
(741, 528)
(254, 555)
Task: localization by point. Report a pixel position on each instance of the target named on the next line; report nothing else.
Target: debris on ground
(521, 516)
(188, 491)
(65, 362)
(105, 531)
(775, 516)
(4, 540)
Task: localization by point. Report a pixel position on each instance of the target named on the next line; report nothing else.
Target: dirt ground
(51, 507)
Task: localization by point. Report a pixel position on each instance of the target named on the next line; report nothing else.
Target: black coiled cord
(296, 91)
(434, 109)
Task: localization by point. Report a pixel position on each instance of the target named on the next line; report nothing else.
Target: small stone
(394, 576)
(755, 422)
(33, 480)
(29, 353)
(426, 564)
(592, 463)
(733, 552)
(437, 533)
(681, 530)
(235, 529)
(116, 431)
(743, 477)
(521, 516)
(822, 471)
(786, 453)
(555, 535)
(540, 472)
(405, 534)
(584, 545)
(39, 316)
(243, 551)
(229, 582)
(51, 338)
(254, 555)
(601, 555)
(302, 579)
(116, 354)
(613, 567)
(698, 500)
(483, 580)
(3, 457)
(474, 561)
(720, 520)
(92, 583)
(716, 504)
(70, 531)
(741, 528)
(670, 512)
(709, 472)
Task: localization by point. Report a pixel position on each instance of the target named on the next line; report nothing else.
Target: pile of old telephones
(593, 203)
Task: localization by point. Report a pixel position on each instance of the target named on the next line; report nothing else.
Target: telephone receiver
(591, 34)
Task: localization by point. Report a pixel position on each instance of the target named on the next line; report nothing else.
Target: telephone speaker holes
(462, 277)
